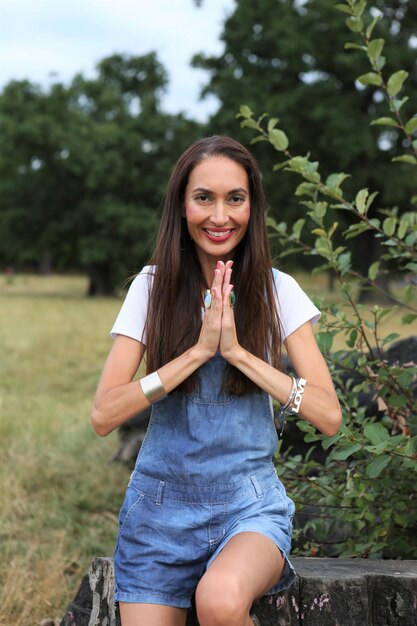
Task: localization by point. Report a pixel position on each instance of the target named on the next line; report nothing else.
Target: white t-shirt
(294, 306)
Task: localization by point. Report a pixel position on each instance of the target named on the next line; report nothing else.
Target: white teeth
(215, 233)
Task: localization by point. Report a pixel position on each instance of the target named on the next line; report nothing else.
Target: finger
(217, 282)
(227, 297)
(227, 277)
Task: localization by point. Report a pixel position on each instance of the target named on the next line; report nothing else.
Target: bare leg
(249, 565)
(133, 614)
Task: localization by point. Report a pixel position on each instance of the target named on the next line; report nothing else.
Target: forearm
(319, 406)
(117, 404)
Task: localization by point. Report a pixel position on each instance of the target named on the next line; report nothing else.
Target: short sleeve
(132, 316)
(294, 306)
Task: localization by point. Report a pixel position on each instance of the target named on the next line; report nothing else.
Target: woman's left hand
(228, 337)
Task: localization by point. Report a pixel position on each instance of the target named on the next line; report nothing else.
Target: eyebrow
(237, 190)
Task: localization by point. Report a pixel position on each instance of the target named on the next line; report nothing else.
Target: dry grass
(317, 286)
(59, 496)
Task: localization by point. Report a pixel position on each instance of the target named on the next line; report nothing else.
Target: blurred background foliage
(84, 166)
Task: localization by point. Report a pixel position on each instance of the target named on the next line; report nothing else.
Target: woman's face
(217, 207)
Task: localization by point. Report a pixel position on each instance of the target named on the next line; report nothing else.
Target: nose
(219, 215)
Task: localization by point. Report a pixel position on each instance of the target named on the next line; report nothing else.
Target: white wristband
(152, 387)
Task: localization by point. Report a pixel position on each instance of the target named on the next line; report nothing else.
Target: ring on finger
(232, 299)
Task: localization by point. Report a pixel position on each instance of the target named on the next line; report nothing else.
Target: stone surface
(328, 592)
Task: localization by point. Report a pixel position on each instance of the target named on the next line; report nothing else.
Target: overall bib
(204, 473)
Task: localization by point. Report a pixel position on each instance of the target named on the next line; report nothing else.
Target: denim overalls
(203, 474)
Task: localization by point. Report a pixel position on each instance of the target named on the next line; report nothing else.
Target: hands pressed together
(218, 331)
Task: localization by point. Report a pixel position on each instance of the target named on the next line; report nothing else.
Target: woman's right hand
(209, 339)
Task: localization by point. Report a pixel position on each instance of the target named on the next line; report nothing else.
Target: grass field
(59, 495)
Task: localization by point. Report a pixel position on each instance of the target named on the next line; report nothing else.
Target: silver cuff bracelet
(152, 387)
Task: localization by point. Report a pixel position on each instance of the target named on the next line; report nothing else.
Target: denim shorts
(170, 533)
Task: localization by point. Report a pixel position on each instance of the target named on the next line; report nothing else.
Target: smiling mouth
(218, 235)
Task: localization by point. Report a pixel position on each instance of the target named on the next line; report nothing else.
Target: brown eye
(203, 197)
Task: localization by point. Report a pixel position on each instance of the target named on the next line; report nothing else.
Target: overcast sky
(41, 37)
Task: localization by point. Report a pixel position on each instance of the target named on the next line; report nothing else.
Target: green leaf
(372, 26)
(280, 166)
(344, 262)
(326, 443)
(376, 433)
(360, 200)
(403, 228)
(355, 229)
(397, 104)
(408, 318)
(249, 123)
(305, 189)
(258, 139)
(405, 158)
(358, 7)
(354, 24)
(332, 229)
(245, 111)
(320, 209)
(378, 448)
(411, 125)
(325, 341)
(380, 63)
(375, 49)
(313, 177)
(373, 270)
(385, 121)
(411, 239)
(355, 46)
(388, 226)
(298, 227)
(272, 123)
(375, 467)
(371, 199)
(390, 337)
(344, 453)
(335, 180)
(371, 78)
(344, 8)
(395, 82)
(353, 335)
(278, 139)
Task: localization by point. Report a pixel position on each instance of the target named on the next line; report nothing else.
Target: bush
(366, 487)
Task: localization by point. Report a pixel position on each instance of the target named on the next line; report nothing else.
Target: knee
(220, 601)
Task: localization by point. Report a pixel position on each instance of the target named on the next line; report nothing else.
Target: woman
(204, 510)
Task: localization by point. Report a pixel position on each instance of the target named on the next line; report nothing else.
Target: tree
(287, 57)
(84, 169)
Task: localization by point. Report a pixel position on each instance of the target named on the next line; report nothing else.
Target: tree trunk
(100, 283)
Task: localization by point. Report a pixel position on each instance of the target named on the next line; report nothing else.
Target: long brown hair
(174, 314)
